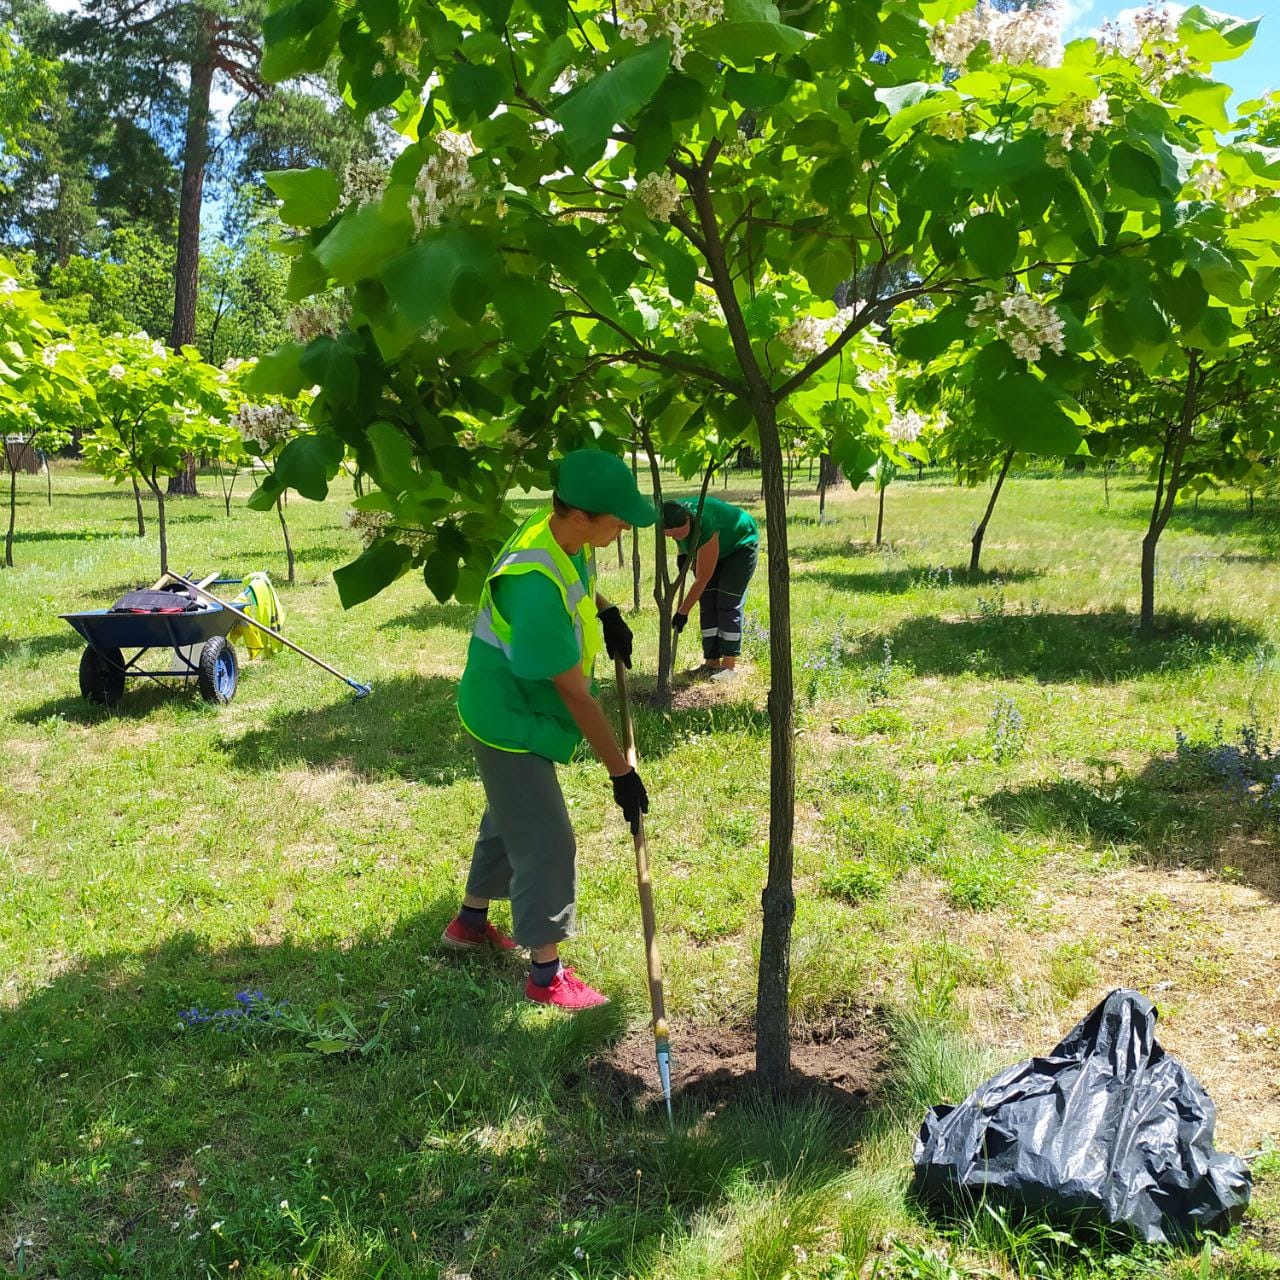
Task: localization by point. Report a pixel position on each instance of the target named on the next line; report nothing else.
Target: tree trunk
(791, 462)
(48, 480)
(661, 582)
(13, 505)
(880, 516)
(635, 544)
(621, 560)
(1175, 447)
(975, 556)
(137, 502)
(288, 546)
(773, 1042)
(159, 494)
(195, 157)
(1250, 504)
(1106, 485)
(811, 468)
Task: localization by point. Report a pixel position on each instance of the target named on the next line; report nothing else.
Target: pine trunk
(288, 546)
(195, 157)
(773, 1040)
(975, 555)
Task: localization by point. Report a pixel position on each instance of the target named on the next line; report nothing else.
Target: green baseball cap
(593, 480)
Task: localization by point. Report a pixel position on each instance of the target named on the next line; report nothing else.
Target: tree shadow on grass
(431, 614)
(15, 650)
(54, 535)
(1174, 812)
(391, 1105)
(1098, 648)
(898, 581)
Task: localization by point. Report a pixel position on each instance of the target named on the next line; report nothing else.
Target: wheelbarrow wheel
(219, 670)
(102, 676)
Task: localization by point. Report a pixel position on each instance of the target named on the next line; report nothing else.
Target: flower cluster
(905, 428)
(1240, 198)
(370, 525)
(251, 1009)
(1150, 43)
(953, 126)
(445, 183)
(363, 181)
(1071, 125)
(670, 18)
(158, 349)
(1024, 323)
(1017, 37)
(1208, 180)
(9, 285)
(116, 372)
(702, 310)
(266, 425)
(659, 195)
(808, 336)
(49, 356)
(315, 320)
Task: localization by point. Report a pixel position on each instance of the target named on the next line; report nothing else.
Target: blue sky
(1251, 75)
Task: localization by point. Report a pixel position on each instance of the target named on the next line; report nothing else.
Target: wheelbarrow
(188, 645)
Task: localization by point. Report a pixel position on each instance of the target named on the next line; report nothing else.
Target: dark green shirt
(734, 525)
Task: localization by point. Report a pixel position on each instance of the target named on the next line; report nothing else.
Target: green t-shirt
(514, 704)
(734, 525)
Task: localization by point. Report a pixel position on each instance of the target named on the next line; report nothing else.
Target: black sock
(544, 975)
(475, 918)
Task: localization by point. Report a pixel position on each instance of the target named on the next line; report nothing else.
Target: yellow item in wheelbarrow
(259, 600)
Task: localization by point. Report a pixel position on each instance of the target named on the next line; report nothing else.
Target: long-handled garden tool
(662, 1044)
(361, 690)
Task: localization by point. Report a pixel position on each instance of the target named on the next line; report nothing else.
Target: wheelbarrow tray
(105, 630)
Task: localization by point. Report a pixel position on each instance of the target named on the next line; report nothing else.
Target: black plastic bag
(1107, 1131)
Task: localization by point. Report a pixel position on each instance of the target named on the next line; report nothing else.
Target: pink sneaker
(457, 937)
(567, 991)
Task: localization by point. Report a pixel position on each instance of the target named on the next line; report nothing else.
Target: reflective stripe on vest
(533, 549)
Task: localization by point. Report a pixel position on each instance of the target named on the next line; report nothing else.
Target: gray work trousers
(525, 849)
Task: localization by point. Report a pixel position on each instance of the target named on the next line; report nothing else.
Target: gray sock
(544, 975)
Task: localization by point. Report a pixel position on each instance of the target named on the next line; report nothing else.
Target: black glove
(617, 635)
(679, 621)
(631, 797)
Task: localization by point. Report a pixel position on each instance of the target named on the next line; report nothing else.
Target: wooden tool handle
(643, 884)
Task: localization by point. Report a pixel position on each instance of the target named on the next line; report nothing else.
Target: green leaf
(526, 308)
(475, 90)
(589, 114)
(306, 277)
(992, 162)
(310, 195)
(1215, 37)
(1202, 98)
(1135, 170)
(441, 574)
(826, 265)
(934, 104)
(1092, 210)
(928, 340)
(1185, 297)
(1013, 405)
(743, 42)
(832, 182)
(374, 571)
(755, 89)
(277, 373)
(362, 242)
(991, 243)
(380, 16)
(899, 97)
(308, 462)
(423, 283)
(393, 467)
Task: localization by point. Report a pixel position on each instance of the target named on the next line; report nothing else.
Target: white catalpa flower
(116, 372)
(953, 125)
(9, 285)
(49, 356)
(1208, 180)
(905, 428)
(1018, 37)
(659, 195)
(807, 336)
(674, 19)
(445, 183)
(1241, 198)
(363, 182)
(1150, 42)
(1025, 323)
(266, 425)
(1071, 125)
(313, 321)
(370, 525)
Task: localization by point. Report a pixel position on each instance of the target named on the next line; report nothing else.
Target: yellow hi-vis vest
(500, 708)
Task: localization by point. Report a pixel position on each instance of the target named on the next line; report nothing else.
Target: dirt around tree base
(840, 1061)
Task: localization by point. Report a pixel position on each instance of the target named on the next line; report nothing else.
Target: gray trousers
(525, 849)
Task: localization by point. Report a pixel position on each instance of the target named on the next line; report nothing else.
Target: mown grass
(973, 756)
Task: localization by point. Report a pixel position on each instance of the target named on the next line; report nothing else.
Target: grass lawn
(995, 827)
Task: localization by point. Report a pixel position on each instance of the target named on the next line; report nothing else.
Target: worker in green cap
(724, 561)
(527, 700)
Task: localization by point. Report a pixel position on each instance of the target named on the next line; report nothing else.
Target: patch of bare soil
(840, 1062)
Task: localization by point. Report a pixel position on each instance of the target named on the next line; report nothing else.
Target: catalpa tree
(564, 161)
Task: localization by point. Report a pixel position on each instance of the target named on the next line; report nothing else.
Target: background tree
(496, 279)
